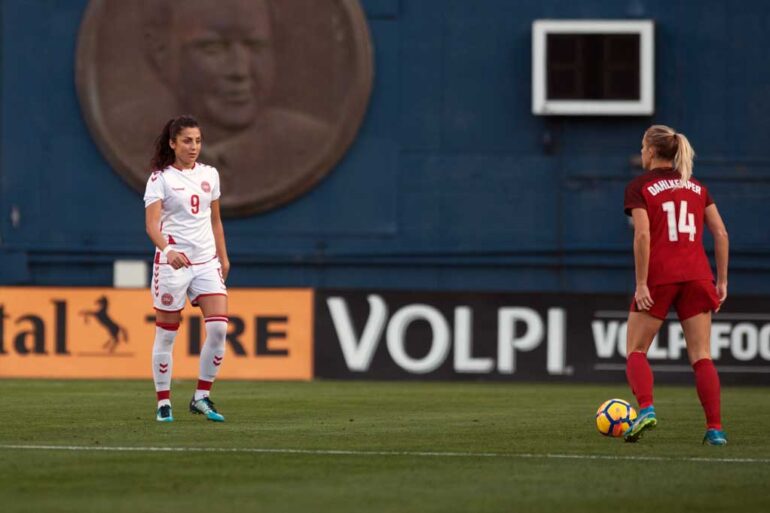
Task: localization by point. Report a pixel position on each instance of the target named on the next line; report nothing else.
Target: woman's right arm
(152, 226)
(721, 248)
(642, 257)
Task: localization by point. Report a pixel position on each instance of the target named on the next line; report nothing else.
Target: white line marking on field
(343, 452)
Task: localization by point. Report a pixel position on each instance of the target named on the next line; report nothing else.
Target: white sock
(162, 361)
(213, 352)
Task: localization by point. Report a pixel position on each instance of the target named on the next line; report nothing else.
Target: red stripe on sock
(707, 384)
(163, 394)
(204, 385)
(640, 379)
(222, 318)
(168, 326)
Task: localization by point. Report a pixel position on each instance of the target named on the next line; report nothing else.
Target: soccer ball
(614, 417)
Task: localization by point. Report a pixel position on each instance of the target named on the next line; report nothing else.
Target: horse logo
(117, 332)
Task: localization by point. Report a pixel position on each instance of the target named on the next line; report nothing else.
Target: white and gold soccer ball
(614, 417)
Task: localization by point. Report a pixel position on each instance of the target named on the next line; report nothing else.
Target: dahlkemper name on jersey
(665, 185)
(186, 212)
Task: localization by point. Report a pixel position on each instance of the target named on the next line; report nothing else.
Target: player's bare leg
(697, 334)
(641, 331)
(166, 327)
(214, 310)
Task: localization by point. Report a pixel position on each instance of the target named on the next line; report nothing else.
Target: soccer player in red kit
(669, 209)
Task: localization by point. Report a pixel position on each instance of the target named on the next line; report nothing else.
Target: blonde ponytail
(683, 158)
(669, 145)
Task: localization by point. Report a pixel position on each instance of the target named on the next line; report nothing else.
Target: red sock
(204, 385)
(707, 383)
(163, 394)
(639, 376)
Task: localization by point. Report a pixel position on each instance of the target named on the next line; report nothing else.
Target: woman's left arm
(219, 238)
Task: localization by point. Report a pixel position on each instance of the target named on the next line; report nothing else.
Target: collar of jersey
(194, 168)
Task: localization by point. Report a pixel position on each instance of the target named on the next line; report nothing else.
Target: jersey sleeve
(215, 191)
(155, 189)
(633, 197)
(707, 195)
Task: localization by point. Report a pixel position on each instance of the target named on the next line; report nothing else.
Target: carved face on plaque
(279, 87)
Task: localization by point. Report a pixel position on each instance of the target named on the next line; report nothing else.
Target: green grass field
(361, 447)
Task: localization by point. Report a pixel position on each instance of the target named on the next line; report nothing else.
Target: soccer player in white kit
(183, 221)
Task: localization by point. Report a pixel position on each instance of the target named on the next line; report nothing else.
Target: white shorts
(170, 286)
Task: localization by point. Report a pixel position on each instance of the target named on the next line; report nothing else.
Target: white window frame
(645, 106)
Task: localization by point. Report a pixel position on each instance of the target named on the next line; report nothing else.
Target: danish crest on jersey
(205, 186)
(167, 299)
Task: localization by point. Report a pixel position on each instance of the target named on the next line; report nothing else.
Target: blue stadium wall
(452, 183)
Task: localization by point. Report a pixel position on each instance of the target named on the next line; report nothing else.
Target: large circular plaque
(280, 87)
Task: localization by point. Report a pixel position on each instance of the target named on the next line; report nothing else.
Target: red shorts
(689, 298)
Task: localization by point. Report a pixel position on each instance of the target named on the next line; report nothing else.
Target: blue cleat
(205, 407)
(164, 414)
(646, 420)
(715, 437)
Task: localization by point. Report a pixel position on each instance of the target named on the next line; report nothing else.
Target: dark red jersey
(676, 225)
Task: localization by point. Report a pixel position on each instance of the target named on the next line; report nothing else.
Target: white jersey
(185, 220)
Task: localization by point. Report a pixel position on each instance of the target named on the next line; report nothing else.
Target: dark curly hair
(164, 155)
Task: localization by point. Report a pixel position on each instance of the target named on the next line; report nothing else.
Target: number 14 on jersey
(686, 220)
